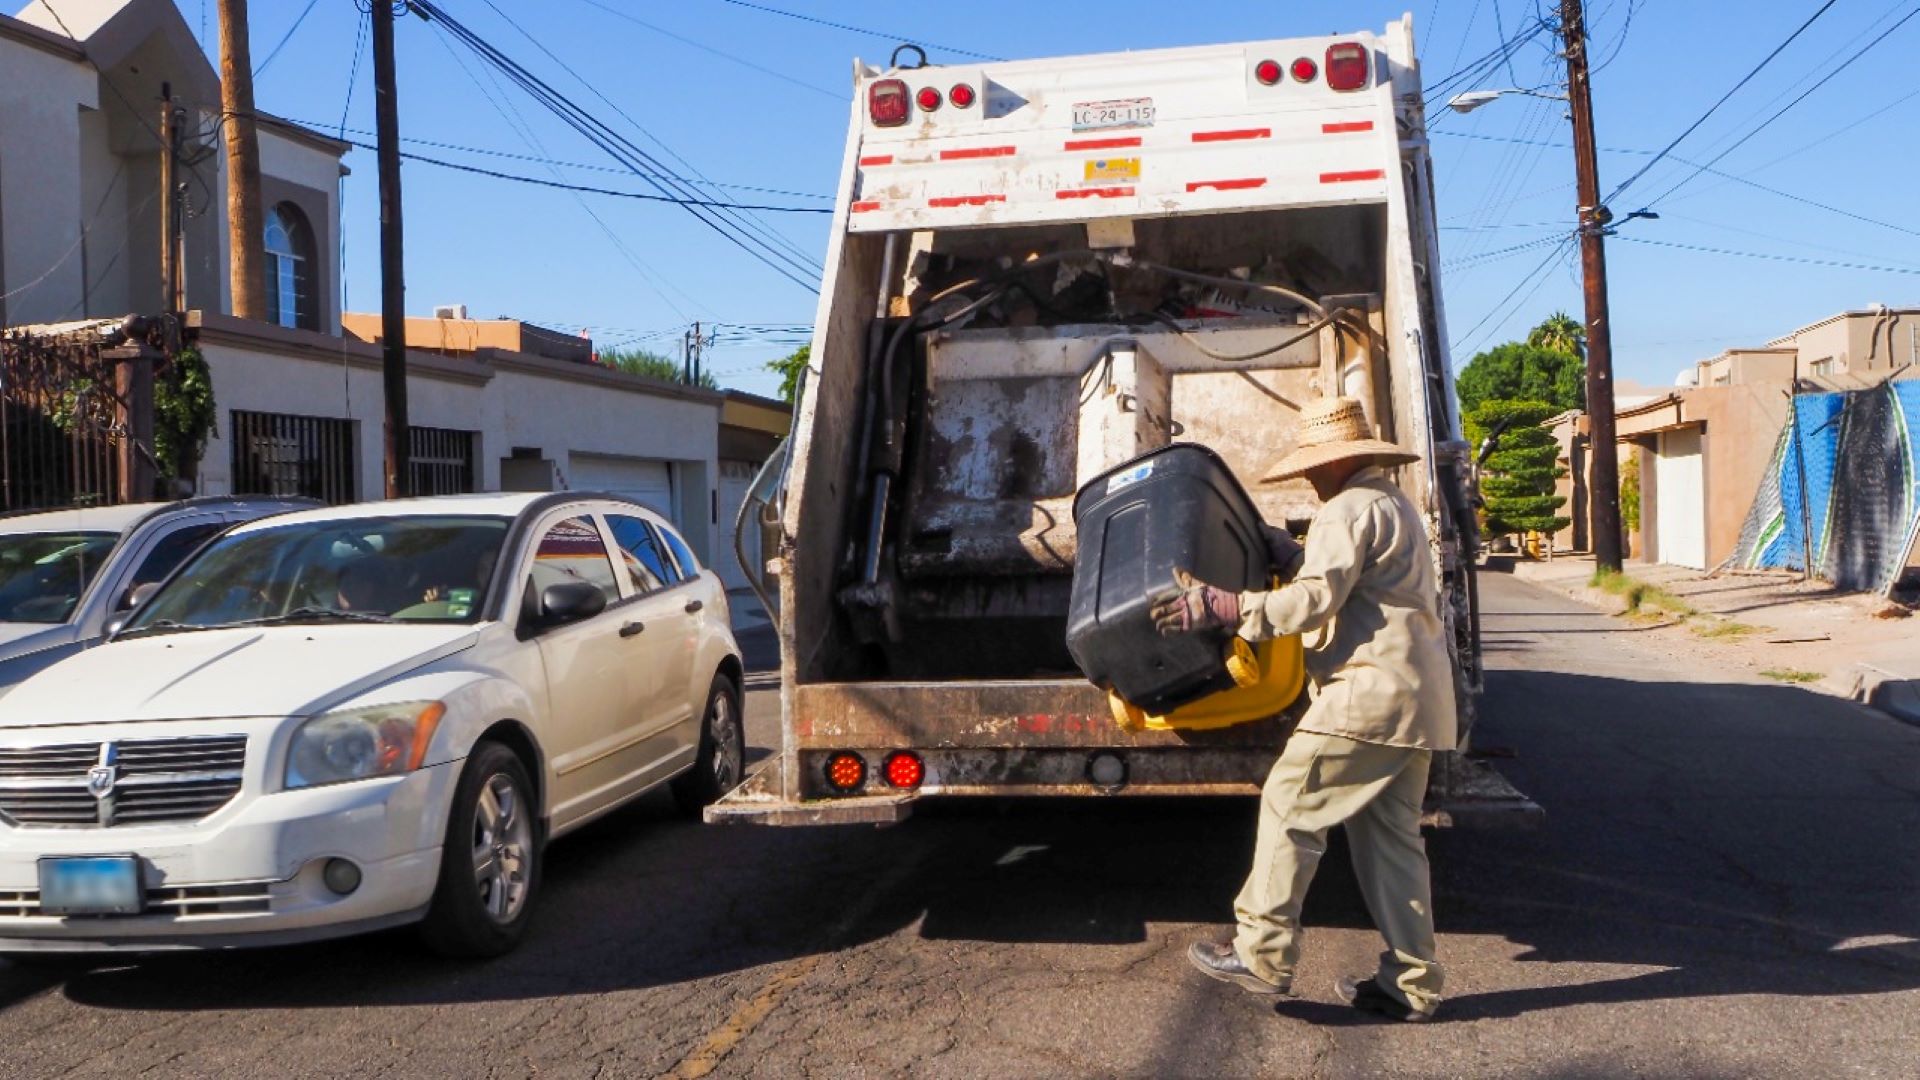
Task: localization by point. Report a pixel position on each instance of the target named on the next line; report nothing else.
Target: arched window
(292, 299)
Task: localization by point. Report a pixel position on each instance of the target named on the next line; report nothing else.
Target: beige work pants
(1375, 791)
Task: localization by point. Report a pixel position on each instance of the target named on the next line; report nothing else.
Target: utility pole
(393, 288)
(1603, 498)
(172, 217)
(246, 229)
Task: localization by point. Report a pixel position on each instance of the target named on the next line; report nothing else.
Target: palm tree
(1560, 331)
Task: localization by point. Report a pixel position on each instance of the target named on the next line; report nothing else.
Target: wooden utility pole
(393, 288)
(1604, 491)
(172, 253)
(246, 228)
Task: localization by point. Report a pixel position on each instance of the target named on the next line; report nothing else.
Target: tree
(1518, 479)
(1563, 332)
(651, 364)
(1518, 371)
(789, 368)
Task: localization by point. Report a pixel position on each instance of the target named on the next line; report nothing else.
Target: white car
(350, 718)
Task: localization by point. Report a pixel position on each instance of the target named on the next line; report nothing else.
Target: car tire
(490, 863)
(721, 762)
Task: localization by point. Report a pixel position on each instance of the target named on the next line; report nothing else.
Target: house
(1703, 449)
(494, 404)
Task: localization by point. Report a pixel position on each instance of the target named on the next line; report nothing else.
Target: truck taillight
(887, 103)
(961, 95)
(1346, 66)
(846, 771)
(1267, 71)
(1304, 70)
(928, 100)
(903, 769)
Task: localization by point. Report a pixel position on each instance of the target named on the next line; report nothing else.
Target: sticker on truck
(1104, 169)
(1130, 477)
(1103, 115)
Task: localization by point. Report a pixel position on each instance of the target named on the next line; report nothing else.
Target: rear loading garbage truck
(1040, 270)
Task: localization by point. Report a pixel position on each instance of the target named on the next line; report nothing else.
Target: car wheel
(490, 864)
(722, 761)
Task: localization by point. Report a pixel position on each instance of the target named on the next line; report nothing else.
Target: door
(1679, 495)
(644, 480)
(736, 478)
(586, 664)
(665, 673)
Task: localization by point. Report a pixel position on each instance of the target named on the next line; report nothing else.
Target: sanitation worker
(1382, 704)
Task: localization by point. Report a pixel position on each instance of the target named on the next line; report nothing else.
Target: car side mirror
(570, 602)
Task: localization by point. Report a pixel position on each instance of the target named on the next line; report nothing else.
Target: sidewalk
(1771, 626)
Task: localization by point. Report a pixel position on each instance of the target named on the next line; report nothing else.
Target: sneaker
(1220, 960)
(1366, 995)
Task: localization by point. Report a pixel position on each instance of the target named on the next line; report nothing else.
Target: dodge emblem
(100, 780)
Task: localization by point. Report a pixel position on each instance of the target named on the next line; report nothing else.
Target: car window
(646, 564)
(689, 566)
(44, 575)
(172, 550)
(572, 550)
(415, 568)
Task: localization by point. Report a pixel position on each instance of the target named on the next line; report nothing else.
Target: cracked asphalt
(1727, 884)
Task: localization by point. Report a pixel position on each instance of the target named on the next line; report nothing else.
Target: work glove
(1286, 552)
(1197, 606)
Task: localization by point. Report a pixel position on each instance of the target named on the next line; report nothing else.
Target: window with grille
(442, 461)
(284, 454)
(292, 299)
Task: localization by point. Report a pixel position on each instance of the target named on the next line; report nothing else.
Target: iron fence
(442, 461)
(285, 454)
(61, 423)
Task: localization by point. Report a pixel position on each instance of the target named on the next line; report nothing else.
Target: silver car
(65, 573)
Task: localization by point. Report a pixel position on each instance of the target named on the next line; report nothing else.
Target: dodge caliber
(343, 719)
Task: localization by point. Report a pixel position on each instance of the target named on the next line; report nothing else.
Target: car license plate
(1101, 115)
(99, 885)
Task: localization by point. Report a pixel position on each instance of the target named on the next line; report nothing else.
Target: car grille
(235, 898)
(154, 781)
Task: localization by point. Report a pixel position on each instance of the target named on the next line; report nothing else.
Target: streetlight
(1473, 99)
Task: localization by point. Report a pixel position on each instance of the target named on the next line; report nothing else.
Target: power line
(284, 38)
(1772, 256)
(1764, 124)
(353, 73)
(817, 21)
(1715, 107)
(1535, 277)
(722, 54)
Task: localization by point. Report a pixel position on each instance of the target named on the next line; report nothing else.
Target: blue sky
(759, 101)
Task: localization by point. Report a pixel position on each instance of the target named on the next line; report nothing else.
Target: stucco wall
(41, 95)
(1740, 425)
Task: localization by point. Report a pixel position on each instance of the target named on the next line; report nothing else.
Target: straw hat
(1334, 429)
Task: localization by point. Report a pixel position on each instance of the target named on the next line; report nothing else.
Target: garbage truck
(1040, 270)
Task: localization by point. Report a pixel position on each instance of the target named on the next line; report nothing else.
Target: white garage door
(735, 478)
(1680, 500)
(643, 480)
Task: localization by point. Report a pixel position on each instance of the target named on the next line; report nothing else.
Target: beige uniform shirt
(1379, 664)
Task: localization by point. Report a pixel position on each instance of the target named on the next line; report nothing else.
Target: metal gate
(284, 454)
(441, 461)
(62, 424)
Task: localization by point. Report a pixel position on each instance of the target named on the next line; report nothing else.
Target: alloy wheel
(502, 844)
(723, 728)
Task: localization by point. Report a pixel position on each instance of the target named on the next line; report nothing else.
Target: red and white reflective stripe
(947, 201)
(863, 207)
(1346, 128)
(1350, 177)
(966, 153)
(877, 159)
(1103, 144)
(1228, 185)
(1094, 193)
(1233, 136)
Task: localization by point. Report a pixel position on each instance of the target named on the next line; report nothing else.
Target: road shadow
(1740, 839)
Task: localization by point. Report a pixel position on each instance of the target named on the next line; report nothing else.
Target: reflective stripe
(1229, 136)
(1228, 185)
(1344, 177)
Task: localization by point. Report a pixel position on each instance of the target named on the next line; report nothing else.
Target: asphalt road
(1728, 884)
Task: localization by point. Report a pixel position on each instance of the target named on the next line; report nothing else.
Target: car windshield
(44, 575)
(401, 569)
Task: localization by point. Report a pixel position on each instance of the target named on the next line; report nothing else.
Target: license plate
(101, 885)
(1101, 115)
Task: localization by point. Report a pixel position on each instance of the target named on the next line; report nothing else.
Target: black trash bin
(1176, 507)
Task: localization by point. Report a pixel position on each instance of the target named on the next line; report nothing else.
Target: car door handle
(631, 629)
(694, 605)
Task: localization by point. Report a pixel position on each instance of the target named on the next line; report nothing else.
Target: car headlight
(354, 744)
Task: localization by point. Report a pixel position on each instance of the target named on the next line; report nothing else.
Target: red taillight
(1304, 70)
(846, 771)
(928, 99)
(887, 103)
(1346, 66)
(961, 95)
(1267, 71)
(904, 769)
